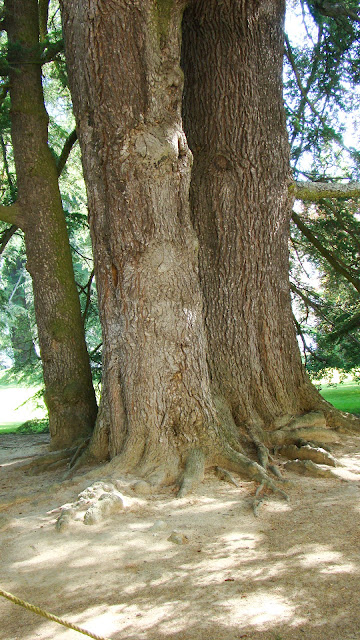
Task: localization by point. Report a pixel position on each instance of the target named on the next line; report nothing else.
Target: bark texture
(156, 402)
(241, 208)
(199, 366)
(69, 392)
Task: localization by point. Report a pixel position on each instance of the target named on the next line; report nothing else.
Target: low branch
(6, 237)
(11, 214)
(52, 51)
(315, 191)
(330, 257)
(62, 159)
(310, 303)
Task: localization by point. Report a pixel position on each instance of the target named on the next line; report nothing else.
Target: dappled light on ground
(291, 573)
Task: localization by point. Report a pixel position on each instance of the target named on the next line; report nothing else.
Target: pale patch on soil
(293, 573)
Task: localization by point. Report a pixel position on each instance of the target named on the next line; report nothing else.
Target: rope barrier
(49, 616)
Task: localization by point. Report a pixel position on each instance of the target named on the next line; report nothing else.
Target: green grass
(13, 411)
(345, 396)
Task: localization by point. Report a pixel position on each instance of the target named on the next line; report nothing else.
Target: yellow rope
(47, 615)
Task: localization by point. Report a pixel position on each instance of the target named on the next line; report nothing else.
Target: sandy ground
(292, 573)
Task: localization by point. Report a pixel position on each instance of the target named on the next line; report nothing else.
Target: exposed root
(245, 466)
(309, 468)
(307, 452)
(79, 451)
(49, 461)
(222, 474)
(259, 499)
(193, 473)
(276, 472)
(309, 434)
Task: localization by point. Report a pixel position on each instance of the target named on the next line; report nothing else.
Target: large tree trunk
(235, 124)
(69, 392)
(156, 401)
(160, 407)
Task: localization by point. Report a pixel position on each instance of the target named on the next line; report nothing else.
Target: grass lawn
(12, 413)
(345, 396)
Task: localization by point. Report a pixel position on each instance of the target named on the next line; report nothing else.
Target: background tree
(322, 78)
(38, 211)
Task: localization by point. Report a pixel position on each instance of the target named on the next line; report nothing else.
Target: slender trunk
(235, 125)
(20, 334)
(69, 392)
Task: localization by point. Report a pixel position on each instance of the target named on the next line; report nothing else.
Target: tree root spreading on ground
(302, 441)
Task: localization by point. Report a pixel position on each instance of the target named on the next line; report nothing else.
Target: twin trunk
(199, 342)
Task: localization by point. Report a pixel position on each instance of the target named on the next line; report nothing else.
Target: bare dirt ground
(292, 573)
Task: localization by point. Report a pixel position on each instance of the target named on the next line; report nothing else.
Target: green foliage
(321, 77)
(17, 310)
(34, 426)
(329, 312)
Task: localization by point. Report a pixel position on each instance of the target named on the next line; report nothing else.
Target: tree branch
(310, 303)
(336, 10)
(62, 159)
(330, 257)
(315, 191)
(6, 237)
(11, 214)
(51, 51)
(304, 92)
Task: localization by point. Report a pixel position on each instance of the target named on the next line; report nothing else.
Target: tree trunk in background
(69, 393)
(164, 333)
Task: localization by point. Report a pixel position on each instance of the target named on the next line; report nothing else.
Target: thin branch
(336, 10)
(66, 150)
(350, 324)
(6, 237)
(337, 264)
(310, 303)
(304, 92)
(88, 296)
(51, 51)
(92, 353)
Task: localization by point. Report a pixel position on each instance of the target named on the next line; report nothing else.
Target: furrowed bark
(241, 206)
(167, 325)
(156, 404)
(69, 392)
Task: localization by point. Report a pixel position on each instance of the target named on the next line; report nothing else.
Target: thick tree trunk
(160, 408)
(69, 392)
(156, 401)
(235, 125)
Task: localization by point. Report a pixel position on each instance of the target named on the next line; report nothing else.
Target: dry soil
(291, 573)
